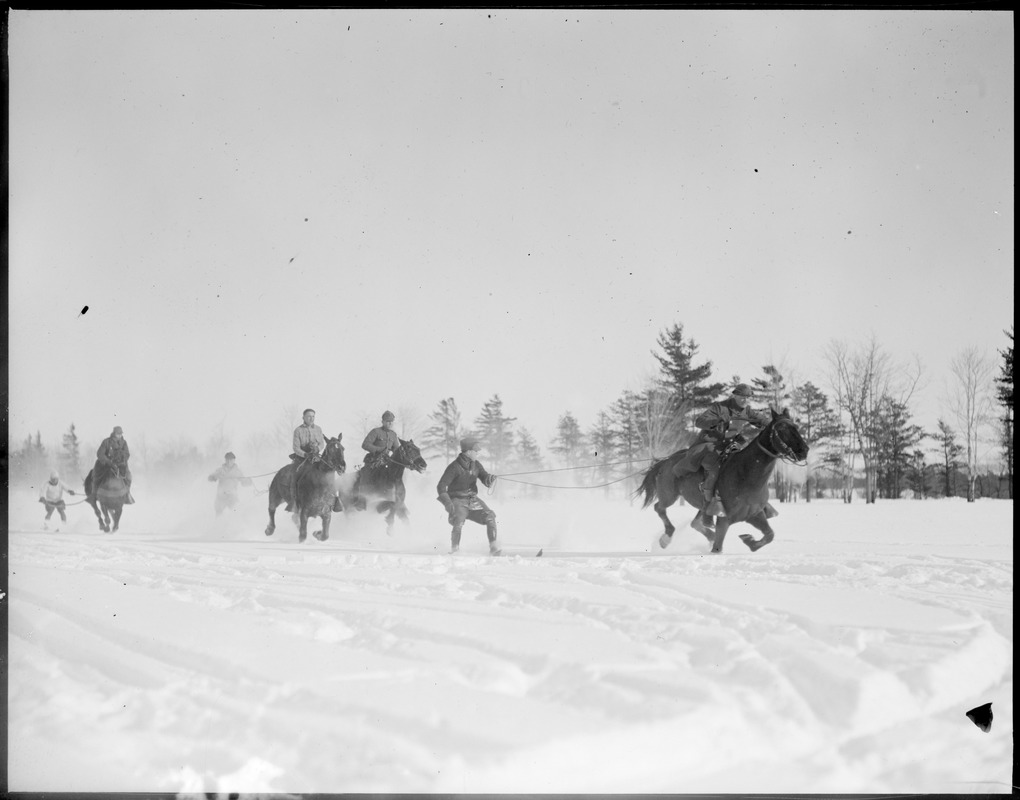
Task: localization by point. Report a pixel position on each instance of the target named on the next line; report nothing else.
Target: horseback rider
(228, 477)
(382, 441)
(721, 425)
(111, 459)
(458, 492)
(308, 443)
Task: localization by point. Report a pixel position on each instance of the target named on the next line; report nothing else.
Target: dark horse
(742, 485)
(384, 478)
(316, 487)
(108, 497)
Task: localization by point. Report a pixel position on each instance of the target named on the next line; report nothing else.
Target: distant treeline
(863, 440)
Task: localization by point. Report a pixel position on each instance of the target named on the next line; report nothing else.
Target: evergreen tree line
(862, 435)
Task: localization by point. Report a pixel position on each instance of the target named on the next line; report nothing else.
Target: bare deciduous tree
(969, 397)
(860, 379)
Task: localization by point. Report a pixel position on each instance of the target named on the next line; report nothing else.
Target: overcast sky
(362, 210)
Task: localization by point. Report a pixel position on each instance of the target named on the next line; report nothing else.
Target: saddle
(377, 461)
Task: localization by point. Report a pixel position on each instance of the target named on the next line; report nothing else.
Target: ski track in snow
(148, 662)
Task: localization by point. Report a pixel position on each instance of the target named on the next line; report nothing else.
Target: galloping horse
(385, 478)
(315, 489)
(742, 484)
(109, 496)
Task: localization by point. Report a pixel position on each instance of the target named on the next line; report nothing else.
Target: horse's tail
(648, 483)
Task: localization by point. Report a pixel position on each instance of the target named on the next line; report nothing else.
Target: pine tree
(772, 388)
(896, 439)
(495, 430)
(602, 442)
(528, 455)
(527, 458)
(568, 443)
(445, 432)
(818, 423)
(626, 426)
(71, 457)
(28, 463)
(686, 383)
(950, 451)
(917, 475)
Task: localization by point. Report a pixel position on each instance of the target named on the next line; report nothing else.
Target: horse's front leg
(760, 521)
(722, 525)
(326, 516)
(303, 525)
(99, 516)
(400, 492)
(117, 511)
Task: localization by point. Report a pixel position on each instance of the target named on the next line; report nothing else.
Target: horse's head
(333, 455)
(783, 437)
(409, 454)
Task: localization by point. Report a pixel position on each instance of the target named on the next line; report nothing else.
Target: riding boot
(712, 505)
(337, 505)
(129, 499)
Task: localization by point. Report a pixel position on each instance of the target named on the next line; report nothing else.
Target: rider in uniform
(720, 425)
(111, 459)
(382, 441)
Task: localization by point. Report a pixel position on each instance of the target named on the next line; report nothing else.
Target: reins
(392, 460)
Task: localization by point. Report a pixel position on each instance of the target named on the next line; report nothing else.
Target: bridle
(783, 451)
(339, 468)
(392, 460)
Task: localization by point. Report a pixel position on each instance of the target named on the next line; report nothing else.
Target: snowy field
(187, 653)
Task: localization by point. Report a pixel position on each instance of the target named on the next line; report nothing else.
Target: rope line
(249, 477)
(568, 469)
(549, 486)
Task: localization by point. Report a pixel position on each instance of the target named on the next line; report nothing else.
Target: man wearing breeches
(458, 492)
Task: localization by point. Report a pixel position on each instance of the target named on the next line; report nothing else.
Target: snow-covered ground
(190, 653)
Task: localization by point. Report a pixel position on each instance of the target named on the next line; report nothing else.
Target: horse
(742, 484)
(316, 487)
(108, 499)
(384, 478)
